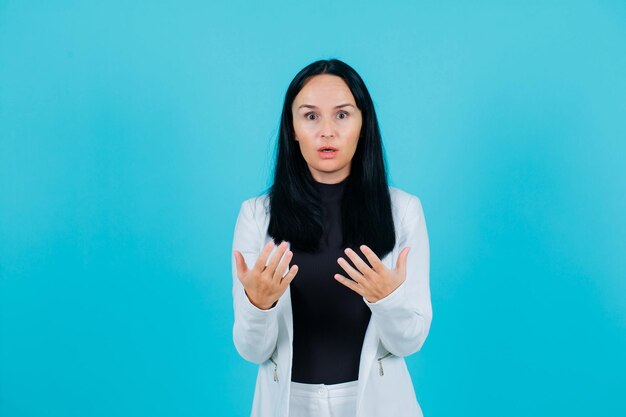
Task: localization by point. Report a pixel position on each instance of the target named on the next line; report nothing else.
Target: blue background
(130, 133)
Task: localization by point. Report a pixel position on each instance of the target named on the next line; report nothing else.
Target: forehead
(324, 89)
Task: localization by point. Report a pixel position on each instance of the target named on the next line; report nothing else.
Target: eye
(309, 114)
(343, 113)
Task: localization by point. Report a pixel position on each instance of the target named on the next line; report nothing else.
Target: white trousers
(320, 400)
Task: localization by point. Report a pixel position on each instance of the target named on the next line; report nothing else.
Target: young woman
(330, 332)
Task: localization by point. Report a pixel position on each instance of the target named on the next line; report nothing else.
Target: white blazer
(398, 326)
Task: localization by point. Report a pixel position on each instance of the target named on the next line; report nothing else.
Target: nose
(327, 130)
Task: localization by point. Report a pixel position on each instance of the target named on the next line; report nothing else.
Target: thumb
(240, 262)
(401, 263)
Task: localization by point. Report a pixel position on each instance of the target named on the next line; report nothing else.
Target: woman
(330, 333)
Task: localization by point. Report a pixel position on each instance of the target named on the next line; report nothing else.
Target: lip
(327, 147)
(327, 155)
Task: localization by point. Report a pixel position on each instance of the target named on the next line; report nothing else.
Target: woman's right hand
(265, 284)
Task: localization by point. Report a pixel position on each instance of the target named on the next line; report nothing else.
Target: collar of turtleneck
(331, 192)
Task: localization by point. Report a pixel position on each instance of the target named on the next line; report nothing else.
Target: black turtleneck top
(329, 319)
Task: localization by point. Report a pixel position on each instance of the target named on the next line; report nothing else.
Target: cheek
(354, 136)
(305, 141)
(301, 130)
(355, 129)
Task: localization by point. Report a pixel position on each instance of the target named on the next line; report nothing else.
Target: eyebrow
(315, 107)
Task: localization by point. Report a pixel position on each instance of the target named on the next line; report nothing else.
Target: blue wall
(131, 133)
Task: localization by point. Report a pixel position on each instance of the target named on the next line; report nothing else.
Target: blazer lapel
(370, 344)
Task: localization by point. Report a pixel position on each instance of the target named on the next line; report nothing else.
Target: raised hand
(376, 282)
(265, 284)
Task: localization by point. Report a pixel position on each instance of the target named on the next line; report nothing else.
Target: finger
(286, 280)
(359, 263)
(276, 257)
(278, 274)
(377, 264)
(350, 284)
(259, 266)
(354, 274)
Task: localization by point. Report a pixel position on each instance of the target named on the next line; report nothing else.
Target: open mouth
(327, 149)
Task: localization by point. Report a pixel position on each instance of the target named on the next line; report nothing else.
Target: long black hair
(296, 214)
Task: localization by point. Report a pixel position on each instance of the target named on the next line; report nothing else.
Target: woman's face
(325, 115)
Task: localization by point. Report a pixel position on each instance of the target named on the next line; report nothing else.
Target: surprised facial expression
(327, 125)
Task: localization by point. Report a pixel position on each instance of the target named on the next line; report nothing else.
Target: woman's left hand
(376, 282)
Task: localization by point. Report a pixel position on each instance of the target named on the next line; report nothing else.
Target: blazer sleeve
(255, 331)
(403, 317)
